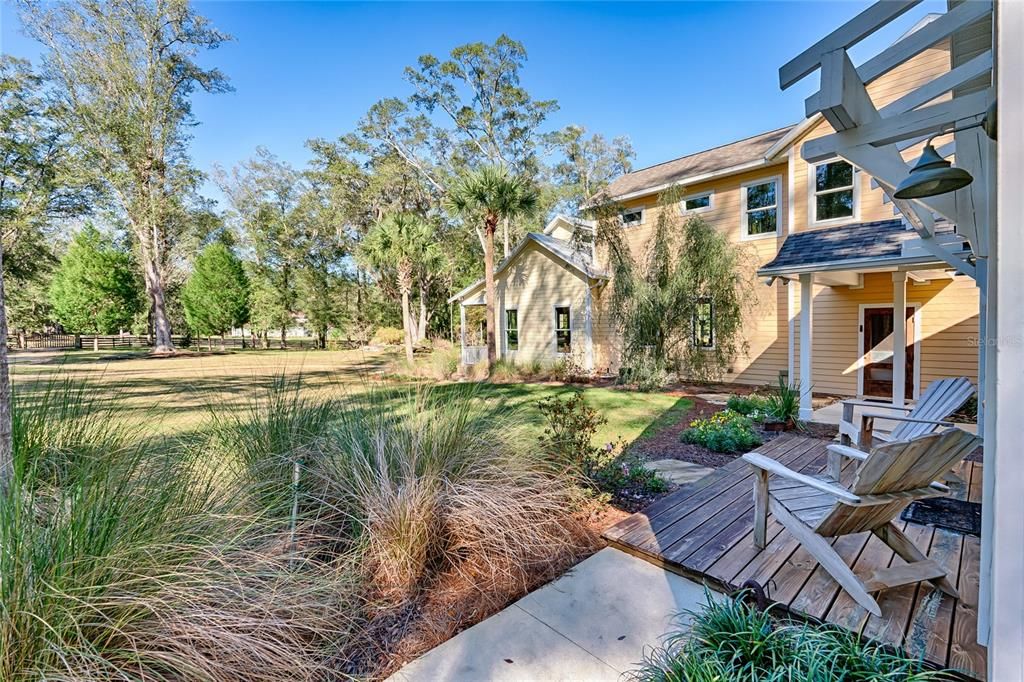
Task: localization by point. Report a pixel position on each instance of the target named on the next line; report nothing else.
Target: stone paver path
(679, 472)
(591, 624)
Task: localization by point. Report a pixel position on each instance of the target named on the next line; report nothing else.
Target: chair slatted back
(940, 399)
(896, 468)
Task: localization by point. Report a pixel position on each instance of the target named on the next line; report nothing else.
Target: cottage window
(760, 208)
(697, 203)
(512, 329)
(834, 191)
(632, 217)
(563, 330)
(703, 324)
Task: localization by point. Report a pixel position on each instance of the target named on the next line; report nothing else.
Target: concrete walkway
(591, 624)
(831, 414)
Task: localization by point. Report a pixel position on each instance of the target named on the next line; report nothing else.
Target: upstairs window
(834, 191)
(697, 203)
(512, 329)
(632, 217)
(703, 324)
(760, 208)
(563, 330)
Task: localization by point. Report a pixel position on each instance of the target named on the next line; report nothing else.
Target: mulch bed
(666, 443)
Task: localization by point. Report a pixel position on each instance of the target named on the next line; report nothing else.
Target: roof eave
(852, 264)
(694, 179)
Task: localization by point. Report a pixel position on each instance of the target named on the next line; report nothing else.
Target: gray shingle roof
(707, 161)
(876, 240)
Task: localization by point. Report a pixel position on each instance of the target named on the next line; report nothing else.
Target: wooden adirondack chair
(887, 479)
(942, 398)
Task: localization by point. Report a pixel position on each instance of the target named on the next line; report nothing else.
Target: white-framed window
(833, 187)
(631, 217)
(759, 208)
(698, 203)
(704, 324)
(563, 329)
(512, 329)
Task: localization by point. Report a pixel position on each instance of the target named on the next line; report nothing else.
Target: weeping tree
(681, 303)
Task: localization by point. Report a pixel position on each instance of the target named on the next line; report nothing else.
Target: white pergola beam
(943, 26)
(939, 86)
(974, 151)
(850, 33)
(919, 123)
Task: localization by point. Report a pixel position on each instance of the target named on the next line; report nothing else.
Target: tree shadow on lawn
(632, 416)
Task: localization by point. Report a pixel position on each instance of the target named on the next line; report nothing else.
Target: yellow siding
(901, 80)
(534, 284)
(949, 308)
(949, 329)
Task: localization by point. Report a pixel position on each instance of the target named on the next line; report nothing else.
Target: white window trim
(812, 194)
(554, 328)
(643, 216)
(710, 194)
(518, 339)
(714, 337)
(744, 235)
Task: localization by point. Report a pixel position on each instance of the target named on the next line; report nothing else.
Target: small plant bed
(729, 640)
(608, 474)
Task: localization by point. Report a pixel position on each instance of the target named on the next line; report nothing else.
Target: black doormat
(942, 512)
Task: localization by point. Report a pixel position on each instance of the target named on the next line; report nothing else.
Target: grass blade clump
(731, 641)
(120, 560)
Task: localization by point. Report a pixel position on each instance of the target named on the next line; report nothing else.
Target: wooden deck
(704, 531)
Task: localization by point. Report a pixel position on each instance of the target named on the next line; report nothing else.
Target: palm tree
(495, 193)
(399, 244)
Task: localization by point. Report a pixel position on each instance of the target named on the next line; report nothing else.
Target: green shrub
(388, 336)
(725, 431)
(747, 405)
(645, 372)
(784, 402)
(444, 361)
(729, 641)
(568, 438)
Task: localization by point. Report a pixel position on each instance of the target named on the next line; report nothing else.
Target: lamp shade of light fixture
(932, 175)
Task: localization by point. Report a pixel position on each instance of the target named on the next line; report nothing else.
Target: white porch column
(806, 341)
(899, 338)
(462, 331)
(588, 330)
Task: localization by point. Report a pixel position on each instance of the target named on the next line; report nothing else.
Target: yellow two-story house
(834, 261)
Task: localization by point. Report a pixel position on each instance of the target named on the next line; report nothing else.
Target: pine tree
(95, 288)
(216, 295)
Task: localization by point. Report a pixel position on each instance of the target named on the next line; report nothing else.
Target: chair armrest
(900, 418)
(847, 451)
(756, 459)
(875, 403)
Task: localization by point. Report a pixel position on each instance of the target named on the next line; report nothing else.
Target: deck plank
(705, 531)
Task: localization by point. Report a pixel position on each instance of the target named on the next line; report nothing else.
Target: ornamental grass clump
(725, 431)
(731, 641)
(121, 558)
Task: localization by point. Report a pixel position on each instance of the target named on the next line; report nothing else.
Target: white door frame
(917, 345)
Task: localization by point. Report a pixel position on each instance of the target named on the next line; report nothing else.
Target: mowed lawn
(177, 394)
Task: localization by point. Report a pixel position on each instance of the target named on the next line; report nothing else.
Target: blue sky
(675, 77)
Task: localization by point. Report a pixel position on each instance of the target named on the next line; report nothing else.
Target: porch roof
(847, 247)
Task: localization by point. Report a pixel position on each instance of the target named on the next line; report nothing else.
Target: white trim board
(744, 236)
(917, 345)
